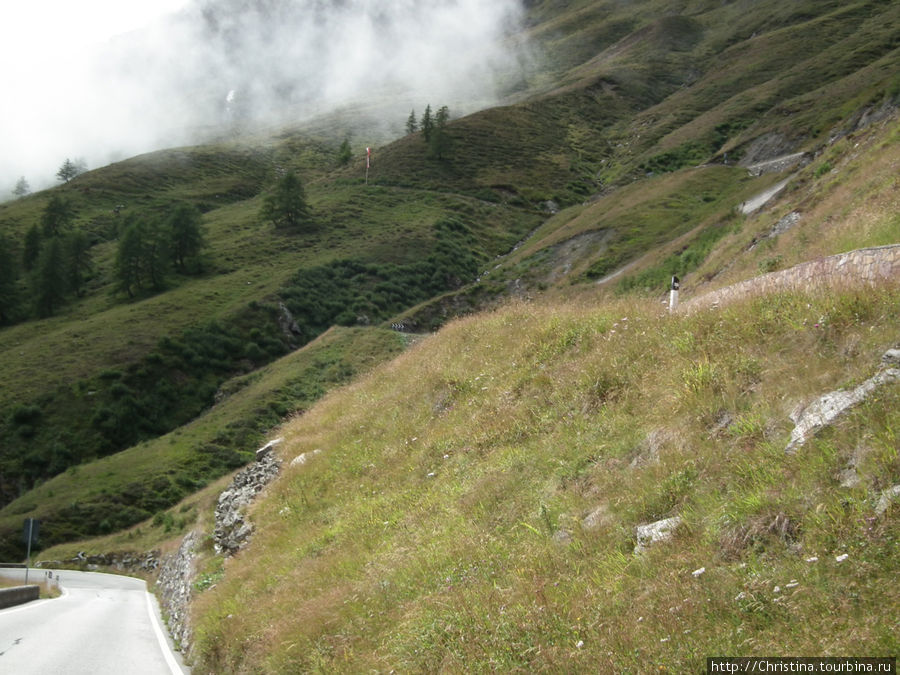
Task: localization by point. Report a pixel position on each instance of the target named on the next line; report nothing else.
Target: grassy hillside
(624, 125)
(475, 502)
(137, 484)
(112, 384)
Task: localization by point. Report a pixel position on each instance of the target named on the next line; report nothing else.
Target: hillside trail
(756, 202)
(776, 164)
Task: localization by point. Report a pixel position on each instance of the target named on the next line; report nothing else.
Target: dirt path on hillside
(776, 164)
(756, 202)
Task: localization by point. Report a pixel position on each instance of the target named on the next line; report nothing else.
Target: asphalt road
(103, 623)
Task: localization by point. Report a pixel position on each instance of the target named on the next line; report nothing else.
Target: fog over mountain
(221, 66)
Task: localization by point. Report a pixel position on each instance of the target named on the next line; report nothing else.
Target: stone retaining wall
(865, 266)
(174, 586)
(18, 595)
(123, 562)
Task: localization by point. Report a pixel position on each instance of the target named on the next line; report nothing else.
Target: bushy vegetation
(658, 277)
(175, 382)
(125, 488)
(349, 292)
(116, 409)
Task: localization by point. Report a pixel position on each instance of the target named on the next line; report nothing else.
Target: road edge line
(161, 638)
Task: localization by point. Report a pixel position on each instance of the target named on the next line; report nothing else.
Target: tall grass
(444, 525)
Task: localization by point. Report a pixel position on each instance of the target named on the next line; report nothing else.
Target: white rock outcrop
(654, 533)
(887, 496)
(828, 407)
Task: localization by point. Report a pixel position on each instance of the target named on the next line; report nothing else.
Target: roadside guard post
(673, 294)
(30, 533)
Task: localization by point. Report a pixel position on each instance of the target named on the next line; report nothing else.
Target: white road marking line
(167, 653)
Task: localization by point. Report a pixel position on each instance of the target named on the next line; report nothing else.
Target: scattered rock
(597, 518)
(121, 561)
(864, 118)
(287, 323)
(723, 421)
(304, 457)
(849, 476)
(550, 207)
(785, 224)
(654, 533)
(887, 496)
(231, 530)
(268, 447)
(767, 147)
(648, 452)
(891, 359)
(824, 410)
(562, 537)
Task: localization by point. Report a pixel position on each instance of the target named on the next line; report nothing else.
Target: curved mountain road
(103, 623)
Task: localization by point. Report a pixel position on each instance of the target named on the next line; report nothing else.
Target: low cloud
(220, 66)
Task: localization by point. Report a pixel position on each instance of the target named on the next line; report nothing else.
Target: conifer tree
(78, 260)
(286, 205)
(128, 259)
(411, 124)
(70, 169)
(186, 239)
(427, 123)
(57, 215)
(142, 257)
(22, 187)
(345, 153)
(439, 145)
(50, 279)
(32, 248)
(9, 273)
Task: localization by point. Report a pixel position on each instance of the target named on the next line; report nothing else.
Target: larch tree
(50, 278)
(186, 239)
(286, 205)
(56, 216)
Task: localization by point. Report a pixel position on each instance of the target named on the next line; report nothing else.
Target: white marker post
(673, 294)
(368, 161)
(30, 533)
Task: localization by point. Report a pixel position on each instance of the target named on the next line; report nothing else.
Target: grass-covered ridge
(140, 483)
(475, 500)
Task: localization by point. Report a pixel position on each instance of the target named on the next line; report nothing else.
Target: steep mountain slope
(628, 100)
(474, 504)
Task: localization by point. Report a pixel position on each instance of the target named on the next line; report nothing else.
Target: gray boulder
(654, 533)
(828, 407)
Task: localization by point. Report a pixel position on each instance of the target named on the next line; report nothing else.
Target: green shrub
(822, 169)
